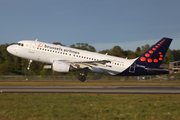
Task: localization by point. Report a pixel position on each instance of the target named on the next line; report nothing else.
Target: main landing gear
(81, 77)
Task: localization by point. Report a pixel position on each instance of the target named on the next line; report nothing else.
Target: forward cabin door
(32, 47)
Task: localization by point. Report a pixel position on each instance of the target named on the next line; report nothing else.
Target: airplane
(65, 59)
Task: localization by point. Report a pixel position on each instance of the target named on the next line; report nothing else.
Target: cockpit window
(20, 44)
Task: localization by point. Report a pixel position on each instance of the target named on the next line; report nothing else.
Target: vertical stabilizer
(155, 55)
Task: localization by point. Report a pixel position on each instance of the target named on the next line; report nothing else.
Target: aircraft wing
(86, 64)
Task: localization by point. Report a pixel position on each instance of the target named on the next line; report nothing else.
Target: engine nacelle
(60, 66)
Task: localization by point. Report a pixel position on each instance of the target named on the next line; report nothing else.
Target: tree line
(12, 65)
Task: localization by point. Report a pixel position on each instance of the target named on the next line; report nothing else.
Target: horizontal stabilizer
(156, 69)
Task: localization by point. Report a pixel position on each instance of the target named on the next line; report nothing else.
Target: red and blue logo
(147, 55)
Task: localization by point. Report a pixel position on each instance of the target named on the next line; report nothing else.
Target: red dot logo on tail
(149, 60)
(155, 60)
(154, 49)
(160, 59)
(147, 55)
(155, 55)
(156, 46)
(151, 51)
(143, 59)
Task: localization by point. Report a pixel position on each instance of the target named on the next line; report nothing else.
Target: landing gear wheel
(79, 77)
(82, 78)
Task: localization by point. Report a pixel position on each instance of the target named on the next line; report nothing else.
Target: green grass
(44, 106)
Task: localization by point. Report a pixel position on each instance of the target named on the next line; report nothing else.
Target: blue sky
(101, 23)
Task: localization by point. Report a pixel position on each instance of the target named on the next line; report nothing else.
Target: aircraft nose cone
(10, 49)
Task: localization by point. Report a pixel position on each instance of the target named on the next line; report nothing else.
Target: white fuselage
(47, 53)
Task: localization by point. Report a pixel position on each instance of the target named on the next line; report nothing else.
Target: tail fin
(155, 55)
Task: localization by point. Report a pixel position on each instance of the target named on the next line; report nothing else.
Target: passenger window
(69, 54)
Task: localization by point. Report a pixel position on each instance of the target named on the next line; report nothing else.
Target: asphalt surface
(90, 89)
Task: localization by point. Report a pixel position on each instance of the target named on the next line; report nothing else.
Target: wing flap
(87, 64)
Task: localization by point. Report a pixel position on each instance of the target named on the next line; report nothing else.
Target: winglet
(155, 55)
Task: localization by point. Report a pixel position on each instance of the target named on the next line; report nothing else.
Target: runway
(90, 89)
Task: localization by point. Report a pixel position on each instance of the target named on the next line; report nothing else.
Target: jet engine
(60, 66)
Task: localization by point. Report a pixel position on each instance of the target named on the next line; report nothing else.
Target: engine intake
(60, 66)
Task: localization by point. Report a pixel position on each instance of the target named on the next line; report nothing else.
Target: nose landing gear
(30, 61)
